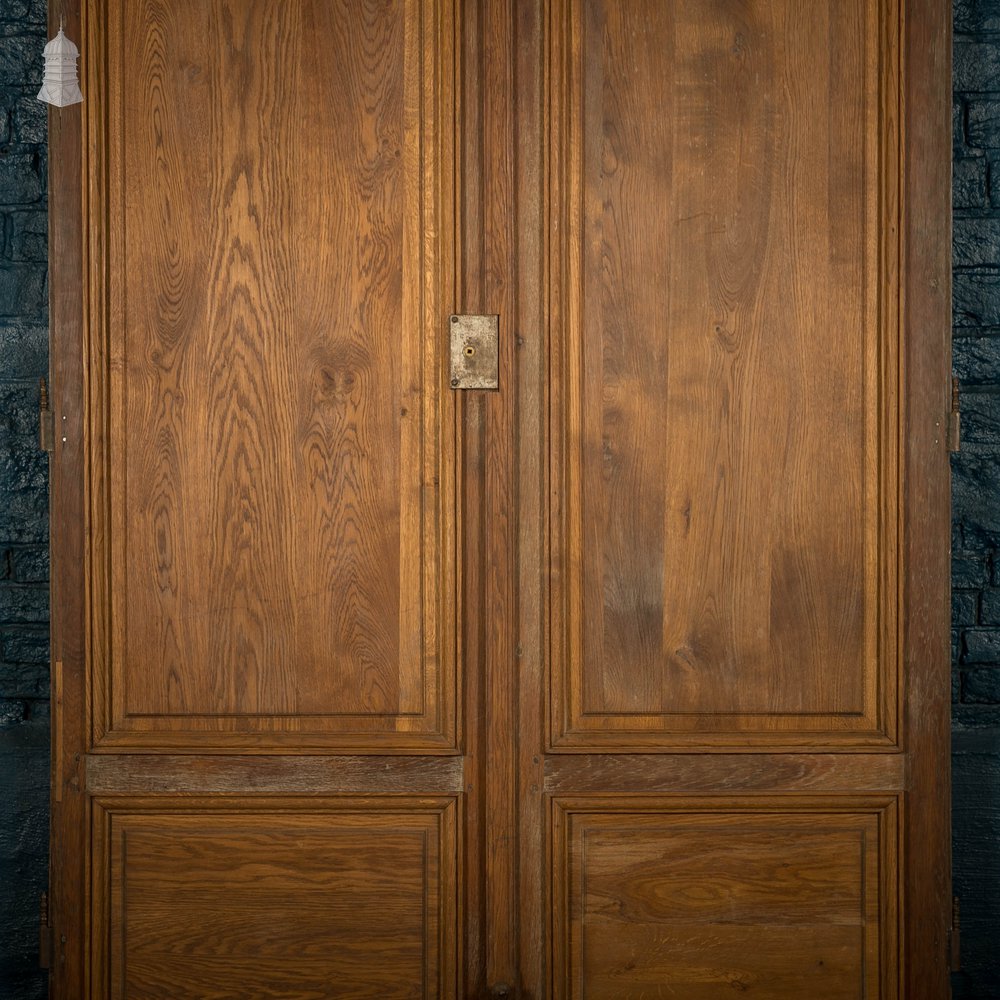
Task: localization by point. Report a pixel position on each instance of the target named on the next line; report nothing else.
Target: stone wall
(976, 493)
(24, 564)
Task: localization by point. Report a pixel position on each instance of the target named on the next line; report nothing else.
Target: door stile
(69, 817)
(471, 484)
(926, 292)
(499, 552)
(532, 353)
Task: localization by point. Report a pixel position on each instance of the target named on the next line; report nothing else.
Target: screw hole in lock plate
(474, 351)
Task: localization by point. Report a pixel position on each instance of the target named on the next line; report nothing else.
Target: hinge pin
(956, 935)
(46, 424)
(44, 933)
(954, 420)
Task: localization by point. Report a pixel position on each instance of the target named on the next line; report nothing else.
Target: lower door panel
(695, 898)
(196, 898)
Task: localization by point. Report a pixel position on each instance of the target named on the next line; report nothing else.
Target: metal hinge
(955, 936)
(44, 933)
(46, 420)
(954, 420)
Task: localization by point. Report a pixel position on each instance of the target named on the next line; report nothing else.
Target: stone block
(993, 178)
(982, 124)
(976, 299)
(976, 242)
(990, 607)
(982, 645)
(23, 603)
(20, 59)
(972, 16)
(12, 712)
(21, 644)
(976, 67)
(975, 360)
(23, 467)
(21, 178)
(975, 485)
(24, 290)
(964, 607)
(969, 183)
(980, 419)
(28, 236)
(24, 348)
(969, 571)
(24, 681)
(30, 564)
(981, 687)
(30, 121)
(21, 12)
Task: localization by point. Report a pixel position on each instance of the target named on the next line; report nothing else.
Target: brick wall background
(23, 496)
(976, 494)
(24, 564)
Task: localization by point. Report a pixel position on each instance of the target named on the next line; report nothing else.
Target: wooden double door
(627, 679)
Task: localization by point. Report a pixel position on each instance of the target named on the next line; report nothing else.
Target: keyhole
(469, 351)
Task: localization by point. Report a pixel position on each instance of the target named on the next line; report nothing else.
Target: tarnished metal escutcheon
(475, 358)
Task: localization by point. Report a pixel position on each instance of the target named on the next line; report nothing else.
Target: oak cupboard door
(626, 680)
(263, 702)
(732, 287)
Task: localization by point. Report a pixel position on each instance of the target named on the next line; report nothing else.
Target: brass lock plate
(475, 352)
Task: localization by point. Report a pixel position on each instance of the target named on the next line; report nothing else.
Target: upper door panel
(723, 305)
(272, 473)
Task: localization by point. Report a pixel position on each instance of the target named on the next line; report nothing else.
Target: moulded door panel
(273, 448)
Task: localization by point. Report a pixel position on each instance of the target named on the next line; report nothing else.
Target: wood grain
(501, 505)
(726, 774)
(226, 898)
(276, 490)
(779, 896)
(137, 774)
(68, 905)
(926, 862)
(725, 329)
(264, 281)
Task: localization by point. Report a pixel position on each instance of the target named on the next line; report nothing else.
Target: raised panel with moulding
(724, 409)
(701, 898)
(272, 459)
(275, 898)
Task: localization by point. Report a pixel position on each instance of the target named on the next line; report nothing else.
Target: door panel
(273, 480)
(723, 412)
(702, 899)
(213, 899)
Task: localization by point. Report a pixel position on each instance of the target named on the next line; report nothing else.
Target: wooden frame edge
(925, 874)
(68, 868)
